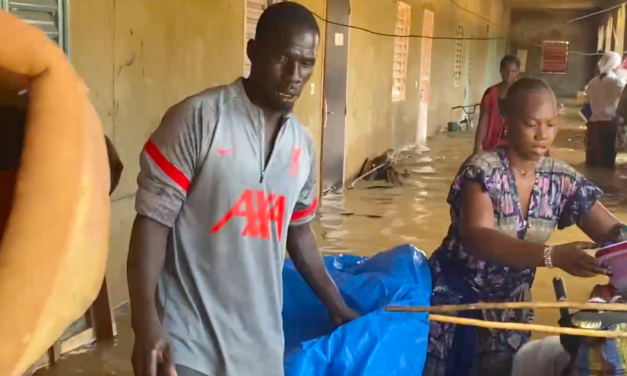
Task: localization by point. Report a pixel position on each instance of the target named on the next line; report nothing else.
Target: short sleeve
(578, 196)
(168, 161)
(621, 110)
(474, 170)
(617, 88)
(486, 95)
(307, 203)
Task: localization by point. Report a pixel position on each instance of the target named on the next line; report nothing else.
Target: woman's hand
(573, 259)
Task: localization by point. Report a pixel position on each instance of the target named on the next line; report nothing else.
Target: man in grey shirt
(227, 182)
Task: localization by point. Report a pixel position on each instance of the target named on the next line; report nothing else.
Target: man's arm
(304, 252)
(146, 258)
(167, 165)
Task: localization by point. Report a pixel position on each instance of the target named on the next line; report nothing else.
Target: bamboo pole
(527, 327)
(512, 305)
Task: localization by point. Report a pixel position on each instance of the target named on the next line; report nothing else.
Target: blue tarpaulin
(379, 343)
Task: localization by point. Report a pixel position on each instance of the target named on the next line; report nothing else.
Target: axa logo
(259, 210)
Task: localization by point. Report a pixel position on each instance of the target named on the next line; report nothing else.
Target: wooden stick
(512, 305)
(527, 327)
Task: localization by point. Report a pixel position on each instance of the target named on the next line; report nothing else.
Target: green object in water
(454, 127)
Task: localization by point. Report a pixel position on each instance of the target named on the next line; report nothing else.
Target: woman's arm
(482, 127)
(601, 225)
(480, 237)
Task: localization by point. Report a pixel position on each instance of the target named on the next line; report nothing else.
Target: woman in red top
(490, 131)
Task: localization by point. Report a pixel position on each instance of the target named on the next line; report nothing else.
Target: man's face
(282, 67)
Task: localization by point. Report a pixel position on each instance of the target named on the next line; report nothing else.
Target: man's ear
(251, 49)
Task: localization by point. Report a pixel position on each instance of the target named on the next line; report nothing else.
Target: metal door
(335, 74)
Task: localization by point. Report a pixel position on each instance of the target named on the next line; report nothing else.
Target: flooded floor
(375, 217)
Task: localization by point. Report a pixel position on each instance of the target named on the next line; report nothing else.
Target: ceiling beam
(554, 4)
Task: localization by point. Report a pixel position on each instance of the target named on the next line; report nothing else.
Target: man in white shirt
(604, 92)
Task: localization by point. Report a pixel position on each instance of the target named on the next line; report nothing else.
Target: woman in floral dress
(505, 204)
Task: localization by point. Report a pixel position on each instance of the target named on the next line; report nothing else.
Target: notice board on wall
(522, 58)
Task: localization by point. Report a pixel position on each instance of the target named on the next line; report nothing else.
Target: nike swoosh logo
(224, 151)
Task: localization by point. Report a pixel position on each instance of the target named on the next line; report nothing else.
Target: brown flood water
(374, 217)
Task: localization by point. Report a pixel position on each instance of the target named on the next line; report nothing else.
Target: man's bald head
(284, 17)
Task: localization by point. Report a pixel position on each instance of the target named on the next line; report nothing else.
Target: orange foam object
(54, 247)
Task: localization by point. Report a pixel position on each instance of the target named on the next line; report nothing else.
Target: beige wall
(138, 58)
(369, 106)
(374, 123)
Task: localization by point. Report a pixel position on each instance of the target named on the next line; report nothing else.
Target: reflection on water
(375, 216)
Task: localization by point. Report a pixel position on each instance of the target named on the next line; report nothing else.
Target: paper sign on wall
(522, 58)
(339, 39)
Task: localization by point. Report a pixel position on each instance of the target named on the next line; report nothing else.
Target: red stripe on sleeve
(300, 214)
(166, 166)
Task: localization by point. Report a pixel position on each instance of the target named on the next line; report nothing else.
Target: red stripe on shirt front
(166, 166)
(300, 214)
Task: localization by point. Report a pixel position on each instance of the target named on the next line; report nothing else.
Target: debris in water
(382, 168)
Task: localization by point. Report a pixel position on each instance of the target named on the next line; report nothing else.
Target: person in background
(578, 356)
(603, 94)
(621, 71)
(226, 184)
(505, 204)
(490, 131)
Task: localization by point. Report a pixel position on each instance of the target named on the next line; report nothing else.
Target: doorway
(335, 76)
(428, 23)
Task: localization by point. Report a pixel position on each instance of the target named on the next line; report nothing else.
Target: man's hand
(145, 262)
(343, 316)
(302, 247)
(152, 352)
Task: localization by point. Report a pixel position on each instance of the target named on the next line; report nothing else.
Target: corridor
(374, 217)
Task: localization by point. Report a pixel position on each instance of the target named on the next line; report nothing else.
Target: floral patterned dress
(560, 197)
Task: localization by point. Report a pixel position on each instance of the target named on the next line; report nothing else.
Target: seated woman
(504, 206)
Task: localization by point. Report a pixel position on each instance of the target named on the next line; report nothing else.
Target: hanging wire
(369, 31)
(399, 35)
(580, 18)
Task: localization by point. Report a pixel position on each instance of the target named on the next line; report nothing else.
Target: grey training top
(203, 174)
